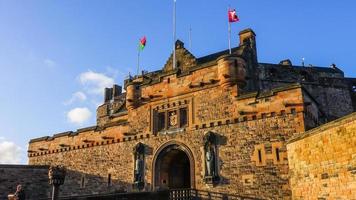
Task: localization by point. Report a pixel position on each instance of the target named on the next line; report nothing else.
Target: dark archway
(173, 167)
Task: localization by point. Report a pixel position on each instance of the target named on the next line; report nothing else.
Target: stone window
(183, 117)
(161, 119)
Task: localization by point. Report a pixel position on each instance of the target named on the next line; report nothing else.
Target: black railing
(173, 194)
(193, 194)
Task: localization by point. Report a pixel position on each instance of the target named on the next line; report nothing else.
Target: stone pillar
(56, 175)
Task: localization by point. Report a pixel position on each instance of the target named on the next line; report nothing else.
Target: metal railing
(193, 194)
(173, 194)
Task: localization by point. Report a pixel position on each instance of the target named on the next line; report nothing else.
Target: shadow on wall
(78, 183)
(34, 180)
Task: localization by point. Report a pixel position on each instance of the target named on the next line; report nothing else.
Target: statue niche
(139, 156)
(210, 158)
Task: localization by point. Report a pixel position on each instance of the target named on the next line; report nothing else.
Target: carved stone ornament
(173, 118)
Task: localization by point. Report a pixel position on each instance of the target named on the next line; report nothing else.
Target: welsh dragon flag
(142, 43)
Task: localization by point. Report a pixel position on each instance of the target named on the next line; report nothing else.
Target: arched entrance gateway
(173, 167)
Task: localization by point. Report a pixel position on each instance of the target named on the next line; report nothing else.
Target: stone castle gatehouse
(219, 123)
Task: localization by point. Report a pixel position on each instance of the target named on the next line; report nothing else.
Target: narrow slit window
(109, 180)
(259, 156)
(277, 154)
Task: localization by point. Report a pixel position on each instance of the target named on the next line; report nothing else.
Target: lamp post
(56, 175)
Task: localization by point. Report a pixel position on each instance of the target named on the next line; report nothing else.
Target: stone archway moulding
(177, 145)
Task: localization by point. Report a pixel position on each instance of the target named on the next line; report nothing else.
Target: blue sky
(56, 56)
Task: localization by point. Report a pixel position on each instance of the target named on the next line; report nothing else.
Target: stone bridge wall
(34, 180)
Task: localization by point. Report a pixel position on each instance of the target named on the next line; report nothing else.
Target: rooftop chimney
(117, 90)
(248, 37)
(108, 94)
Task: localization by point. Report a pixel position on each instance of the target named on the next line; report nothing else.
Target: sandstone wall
(252, 130)
(322, 161)
(34, 180)
(237, 160)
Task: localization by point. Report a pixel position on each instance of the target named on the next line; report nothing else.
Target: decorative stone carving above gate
(139, 166)
(211, 175)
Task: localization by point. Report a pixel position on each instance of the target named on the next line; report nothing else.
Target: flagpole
(229, 37)
(174, 34)
(138, 61)
(229, 30)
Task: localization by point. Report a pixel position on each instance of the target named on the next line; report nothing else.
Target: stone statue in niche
(210, 153)
(209, 160)
(139, 155)
(138, 168)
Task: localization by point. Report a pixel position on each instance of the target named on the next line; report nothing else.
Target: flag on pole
(141, 46)
(233, 16)
(142, 43)
(231, 13)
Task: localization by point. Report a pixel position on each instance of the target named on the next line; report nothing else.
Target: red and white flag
(233, 16)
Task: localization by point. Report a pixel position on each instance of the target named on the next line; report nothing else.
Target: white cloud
(79, 115)
(77, 96)
(95, 83)
(10, 153)
(49, 63)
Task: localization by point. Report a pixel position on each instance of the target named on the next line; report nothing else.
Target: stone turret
(231, 71)
(132, 95)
